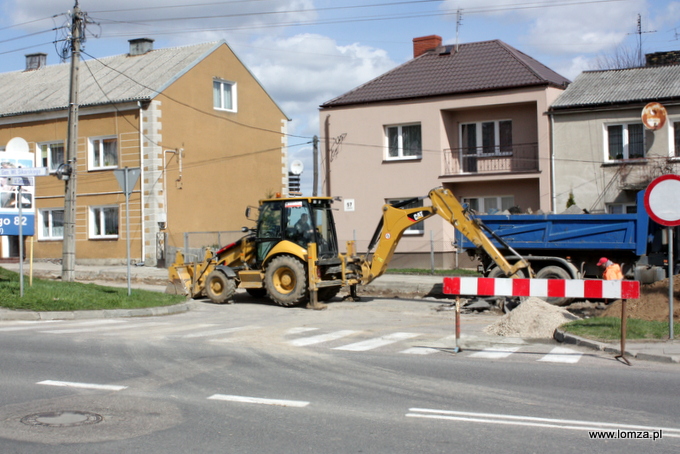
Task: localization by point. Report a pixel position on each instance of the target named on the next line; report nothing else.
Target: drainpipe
(552, 164)
(141, 176)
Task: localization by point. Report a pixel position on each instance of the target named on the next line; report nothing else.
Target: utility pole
(316, 166)
(68, 260)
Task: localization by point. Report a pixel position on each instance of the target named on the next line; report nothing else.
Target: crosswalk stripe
(562, 355)
(443, 345)
(300, 330)
(377, 342)
(496, 352)
(304, 341)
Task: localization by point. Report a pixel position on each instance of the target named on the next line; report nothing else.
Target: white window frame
(625, 141)
(219, 105)
(480, 137)
(96, 215)
(481, 203)
(400, 146)
(48, 146)
(673, 152)
(612, 208)
(42, 213)
(417, 229)
(100, 151)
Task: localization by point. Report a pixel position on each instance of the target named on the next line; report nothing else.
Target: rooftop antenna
(639, 32)
(459, 22)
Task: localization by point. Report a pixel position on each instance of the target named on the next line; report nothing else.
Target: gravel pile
(534, 318)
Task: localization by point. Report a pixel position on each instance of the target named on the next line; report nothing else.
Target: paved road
(376, 376)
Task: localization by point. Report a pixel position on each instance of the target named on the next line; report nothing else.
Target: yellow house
(206, 136)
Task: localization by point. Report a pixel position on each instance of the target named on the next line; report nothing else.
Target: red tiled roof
(475, 67)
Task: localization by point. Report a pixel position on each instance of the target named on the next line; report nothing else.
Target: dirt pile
(534, 318)
(652, 304)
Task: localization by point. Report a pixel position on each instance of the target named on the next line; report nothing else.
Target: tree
(624, 56)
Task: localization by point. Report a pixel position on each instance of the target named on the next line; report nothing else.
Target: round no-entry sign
(662, 200)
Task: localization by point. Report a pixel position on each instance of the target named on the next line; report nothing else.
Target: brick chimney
(140, 46)
(671, 57)
(425, 43)
(35, 61)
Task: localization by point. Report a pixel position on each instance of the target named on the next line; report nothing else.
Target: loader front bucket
(180, 275)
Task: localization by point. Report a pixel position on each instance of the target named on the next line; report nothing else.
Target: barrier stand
(456, 348)
(622, 356)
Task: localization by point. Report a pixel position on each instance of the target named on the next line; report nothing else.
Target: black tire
(555, 272)
(507, 303)
(219, 288)
(257, 292)
(286, 281)
(328, 293)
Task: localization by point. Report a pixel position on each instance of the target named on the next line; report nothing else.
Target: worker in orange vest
(612, 271)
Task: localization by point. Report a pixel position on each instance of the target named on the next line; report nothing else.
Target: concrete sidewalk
(152, 278)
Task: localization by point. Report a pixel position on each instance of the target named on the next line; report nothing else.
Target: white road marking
(429, 350)
(304, 341)
(93, 326)
(562, 355)
(300, 330)
(256, 400)
(218, 332)
(569, 424)
(28, 325)
(377, 342)
(497, 352)
(82, 385)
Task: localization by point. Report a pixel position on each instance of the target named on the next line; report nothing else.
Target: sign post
(662, 202)
(127, 178)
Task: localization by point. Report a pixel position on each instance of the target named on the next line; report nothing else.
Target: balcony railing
(501, 159)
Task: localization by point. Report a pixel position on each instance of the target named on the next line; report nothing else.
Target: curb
(561, 336)
(8, 314)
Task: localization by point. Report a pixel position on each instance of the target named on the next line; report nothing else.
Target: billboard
(16, 156)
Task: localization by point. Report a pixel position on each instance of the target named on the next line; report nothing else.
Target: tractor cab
(298, 220)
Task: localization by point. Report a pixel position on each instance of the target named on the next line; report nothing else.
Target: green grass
(609, 328)
(458, 272)
(47, 295)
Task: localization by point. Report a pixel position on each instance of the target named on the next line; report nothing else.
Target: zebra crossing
(345, 340)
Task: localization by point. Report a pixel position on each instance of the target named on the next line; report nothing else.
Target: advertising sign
(11, 161)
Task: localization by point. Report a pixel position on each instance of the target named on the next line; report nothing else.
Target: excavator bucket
(181, 277)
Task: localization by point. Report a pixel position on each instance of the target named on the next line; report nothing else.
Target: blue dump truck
(568, 246)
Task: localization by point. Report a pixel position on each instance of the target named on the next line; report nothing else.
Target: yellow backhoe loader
(292, 255)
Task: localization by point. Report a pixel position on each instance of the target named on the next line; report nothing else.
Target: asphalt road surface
(378, 376)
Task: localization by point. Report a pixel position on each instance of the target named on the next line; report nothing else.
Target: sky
(307, 52)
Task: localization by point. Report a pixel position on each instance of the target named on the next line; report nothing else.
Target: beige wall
(580, 154)
(359, 171)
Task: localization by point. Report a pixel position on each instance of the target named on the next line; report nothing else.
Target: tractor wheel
(286, 281)
(257, 292)
(555, 272)
(328, 293)
(219, 287)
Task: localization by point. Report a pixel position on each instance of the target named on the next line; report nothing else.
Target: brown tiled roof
(475, 67)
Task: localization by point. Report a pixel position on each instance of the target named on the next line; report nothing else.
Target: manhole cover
(62, 419)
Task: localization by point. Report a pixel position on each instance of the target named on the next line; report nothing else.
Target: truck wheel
(257, 292)
(219, 287)
(328, 293)
(286, 281)
(554, 272)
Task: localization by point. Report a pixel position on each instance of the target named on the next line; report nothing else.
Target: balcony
(490, 160)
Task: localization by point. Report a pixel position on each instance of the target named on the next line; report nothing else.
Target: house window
(51, 224)
(103, 152)
(404, 142)
(51, 154)
(224, 95)
(675, 145)
(621, 208)
(625, 141)
(104, 222)
(489, 205)
(486, 137)
(417, 229)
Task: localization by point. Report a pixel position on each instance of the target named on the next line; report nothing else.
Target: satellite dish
(17, 145)
(654, 116)
(296, 167)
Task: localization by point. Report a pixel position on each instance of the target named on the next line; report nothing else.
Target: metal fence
(196, 243)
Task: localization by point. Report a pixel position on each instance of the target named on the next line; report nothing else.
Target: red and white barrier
(545, 288)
